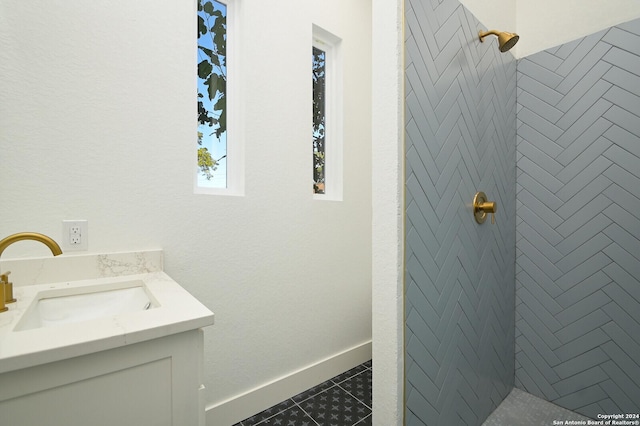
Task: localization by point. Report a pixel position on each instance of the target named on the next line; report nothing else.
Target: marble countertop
(176, 311)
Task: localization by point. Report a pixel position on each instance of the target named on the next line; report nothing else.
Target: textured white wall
(97, 122)
(388, 212)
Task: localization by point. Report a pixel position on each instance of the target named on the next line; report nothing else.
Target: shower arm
(483, 34)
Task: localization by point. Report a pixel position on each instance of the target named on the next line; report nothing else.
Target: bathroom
(118, 74)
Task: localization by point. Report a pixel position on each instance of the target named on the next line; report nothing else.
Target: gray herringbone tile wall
(578, 223)
(460, 134)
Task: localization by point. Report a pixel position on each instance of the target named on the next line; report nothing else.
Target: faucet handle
(482, 207)
(7, 288)
(4, 283)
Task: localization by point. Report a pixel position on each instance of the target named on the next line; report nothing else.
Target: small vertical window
(212, 95)
(327, 115)
(319, 118)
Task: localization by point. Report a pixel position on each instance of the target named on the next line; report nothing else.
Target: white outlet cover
(75, 235)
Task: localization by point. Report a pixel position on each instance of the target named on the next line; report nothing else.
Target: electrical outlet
(75, 235)
(75, 239)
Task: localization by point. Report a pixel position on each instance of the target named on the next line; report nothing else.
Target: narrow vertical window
(327, 115)
(212, 95)
(319, 118)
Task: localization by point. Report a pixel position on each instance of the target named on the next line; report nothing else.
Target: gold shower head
(505, 40)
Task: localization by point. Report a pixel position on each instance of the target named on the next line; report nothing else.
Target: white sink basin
(63, 306)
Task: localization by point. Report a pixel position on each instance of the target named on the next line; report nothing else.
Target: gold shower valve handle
(482, 207)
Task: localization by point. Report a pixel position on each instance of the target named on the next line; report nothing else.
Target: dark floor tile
(293, 416)
(313, 391)
(359, 386)
(368, 364)
(335, 407)
(341, 406)
(347, 374)
(366, 421)
(269, 412)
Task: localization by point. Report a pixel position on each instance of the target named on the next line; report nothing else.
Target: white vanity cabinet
(155, 383)
(140, 367)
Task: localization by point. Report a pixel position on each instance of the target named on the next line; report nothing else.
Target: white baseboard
(245, 405)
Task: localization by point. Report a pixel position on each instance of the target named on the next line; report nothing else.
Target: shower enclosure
(553, 284)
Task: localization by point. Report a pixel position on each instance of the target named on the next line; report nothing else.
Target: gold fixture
(505, 40)
(48, 241)
(3, 291)
(481, 207)
(8, 287)
(6, 294)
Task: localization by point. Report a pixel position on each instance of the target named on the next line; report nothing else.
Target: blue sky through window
(212, 72)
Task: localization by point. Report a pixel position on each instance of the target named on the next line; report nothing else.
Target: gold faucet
(6, 287)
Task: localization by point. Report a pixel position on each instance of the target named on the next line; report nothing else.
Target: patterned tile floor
(344, 400)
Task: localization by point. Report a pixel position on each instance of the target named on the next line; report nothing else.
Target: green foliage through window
(319, 118)
(212, 90)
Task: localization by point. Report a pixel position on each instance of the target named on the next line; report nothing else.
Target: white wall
(388, 212)
(97, 122)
